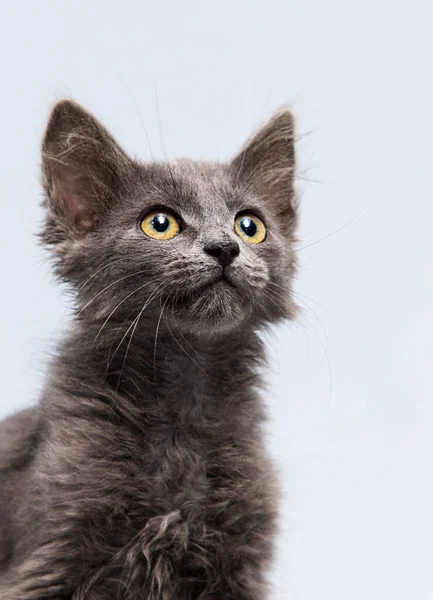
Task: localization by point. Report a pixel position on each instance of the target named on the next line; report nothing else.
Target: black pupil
(160, 223)
(249, 227)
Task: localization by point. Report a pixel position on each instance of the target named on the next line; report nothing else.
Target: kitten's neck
(158, 371)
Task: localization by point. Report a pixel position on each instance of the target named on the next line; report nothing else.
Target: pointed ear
(267, 164)
(82, 168)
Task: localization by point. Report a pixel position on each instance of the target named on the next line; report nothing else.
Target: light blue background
(351, 383)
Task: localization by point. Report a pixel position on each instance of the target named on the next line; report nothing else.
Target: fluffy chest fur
(172, 480)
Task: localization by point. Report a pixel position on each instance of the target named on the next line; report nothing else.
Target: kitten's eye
(250, 228)
(161, 225)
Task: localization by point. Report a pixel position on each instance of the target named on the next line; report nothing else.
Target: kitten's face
(199, 247)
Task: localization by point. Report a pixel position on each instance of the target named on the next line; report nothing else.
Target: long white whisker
(113, 262)
(133, 331)
(116, 307)
(180, 345)
(138, 112)
(107, 287)
(134, 327)
(156, 335)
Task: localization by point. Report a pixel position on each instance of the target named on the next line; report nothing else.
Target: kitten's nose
(224, 252)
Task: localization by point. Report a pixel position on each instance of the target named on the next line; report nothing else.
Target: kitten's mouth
(216, 303)
(222, 282)
(224, 279)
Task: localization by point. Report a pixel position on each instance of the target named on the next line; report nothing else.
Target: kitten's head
(205, 247)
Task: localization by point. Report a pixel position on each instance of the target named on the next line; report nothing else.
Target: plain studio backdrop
(350, 383)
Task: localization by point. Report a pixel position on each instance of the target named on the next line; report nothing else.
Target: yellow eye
(250, 228)
(161, 225)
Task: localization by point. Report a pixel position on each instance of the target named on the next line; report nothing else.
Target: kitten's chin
(217, 309)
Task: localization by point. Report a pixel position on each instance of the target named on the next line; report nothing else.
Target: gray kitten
(141, 474)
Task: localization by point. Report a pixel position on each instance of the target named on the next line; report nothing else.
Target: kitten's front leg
(248, 525)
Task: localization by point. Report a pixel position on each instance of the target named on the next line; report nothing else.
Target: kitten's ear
(267, 164)
(82, 168)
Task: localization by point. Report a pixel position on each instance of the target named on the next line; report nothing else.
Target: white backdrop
(350, 383)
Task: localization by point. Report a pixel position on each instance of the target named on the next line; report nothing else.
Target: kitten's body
(142, 474)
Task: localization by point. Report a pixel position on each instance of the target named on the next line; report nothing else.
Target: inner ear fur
(82, 167)
(267, 163)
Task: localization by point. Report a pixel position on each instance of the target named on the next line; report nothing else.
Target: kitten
(142, 473)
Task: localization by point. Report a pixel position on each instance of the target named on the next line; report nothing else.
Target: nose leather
(223, 252)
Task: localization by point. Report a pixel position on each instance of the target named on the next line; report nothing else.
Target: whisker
(161, 138)
(109, 286)
(158, 114)
(156, 334)
(118, 346)
(296, 250)
(135, 323)
(138, 112)
(137, 319)
(313, 312)
(347, 330)
(269, 297)
(325, 353)
(359, 213)
(101, 269)
(181, 334)
(324, 346)
(180, 345)
(177, 249)
(328, 362)
(116, 307)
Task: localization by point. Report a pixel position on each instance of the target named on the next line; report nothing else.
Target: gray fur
(142, 474)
